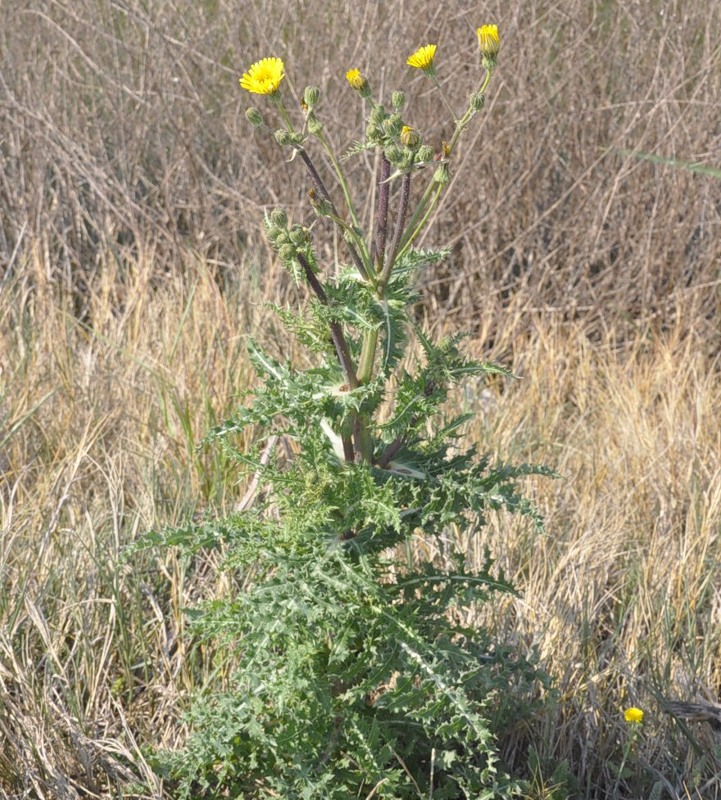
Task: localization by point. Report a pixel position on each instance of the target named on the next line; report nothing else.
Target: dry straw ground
(131, 265)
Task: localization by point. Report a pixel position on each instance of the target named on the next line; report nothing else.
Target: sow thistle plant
(350, 667)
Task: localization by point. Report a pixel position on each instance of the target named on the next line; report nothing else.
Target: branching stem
(321, 188)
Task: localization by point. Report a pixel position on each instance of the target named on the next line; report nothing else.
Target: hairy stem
(400, 222)
(355, 226)
(321, 188)
(336, 332)
(379, 245)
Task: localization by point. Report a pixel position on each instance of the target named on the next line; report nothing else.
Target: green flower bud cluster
(401, 159)
(287, 139)
(378, 115)
(287, 242)
(376, 120)
(407, 152)
(393, 126)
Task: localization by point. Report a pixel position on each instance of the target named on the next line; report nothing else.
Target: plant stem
(379, 245)
(409, 239)
(336, 332)
(367, 356)
(320, 186)
(355, 225)
(400, 222)
(421, 212)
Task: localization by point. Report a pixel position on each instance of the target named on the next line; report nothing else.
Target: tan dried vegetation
(131, 266)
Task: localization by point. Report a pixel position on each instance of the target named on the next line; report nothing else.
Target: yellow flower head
(264, 76)
(488, 41)
(634, 716)
(423, 58)
(409, 137)
(356, 79)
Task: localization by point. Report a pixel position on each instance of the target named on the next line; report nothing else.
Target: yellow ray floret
(423, 57)
(264, 76)
(488, 40)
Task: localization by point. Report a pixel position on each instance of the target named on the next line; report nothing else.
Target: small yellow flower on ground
(264, 76)
(488, 41)
(423, 58)
(634, 716)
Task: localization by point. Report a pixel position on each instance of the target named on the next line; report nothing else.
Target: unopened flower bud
(478, 100)
(287, 252)
(374, 133)
(279, 218)
(424, 154)
(283, 137)
(274, 234)
(409, 137)
(398, 100)
(394, 125)
(441, 175)
(377, 115)
(254, 116)
(311, 96)
(315, 126)
(321, 206)
(406, 163)
(394, 154)
(298, 235)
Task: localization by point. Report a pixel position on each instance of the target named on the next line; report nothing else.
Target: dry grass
(131, 267)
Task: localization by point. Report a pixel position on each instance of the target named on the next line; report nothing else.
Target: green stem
(321, 188)
(409, 239)
(378, 250)
(278, 100)
(397, 233)
(336, 332)
(361, 432)
(367, 356)
(359, 240)
(443, 97)
(422, 212)
(362, 439)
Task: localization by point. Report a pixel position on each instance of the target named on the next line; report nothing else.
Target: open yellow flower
(634, 716)
(423, 58)
(264, 76)
(356, 79)
(488, 41)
